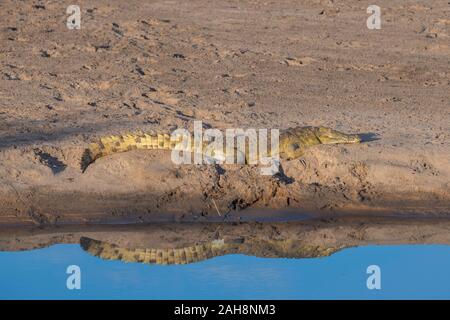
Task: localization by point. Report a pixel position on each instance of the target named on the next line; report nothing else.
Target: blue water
(412, 271)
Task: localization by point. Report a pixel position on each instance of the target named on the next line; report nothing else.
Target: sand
(160, 65)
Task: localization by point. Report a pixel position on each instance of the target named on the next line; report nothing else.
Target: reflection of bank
(182, 243)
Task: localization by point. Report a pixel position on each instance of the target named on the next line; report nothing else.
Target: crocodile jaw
(330, 136)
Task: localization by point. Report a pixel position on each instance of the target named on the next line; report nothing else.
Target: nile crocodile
(292, 143)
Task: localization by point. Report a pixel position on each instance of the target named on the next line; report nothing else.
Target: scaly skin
(293, 143)
(200, 252)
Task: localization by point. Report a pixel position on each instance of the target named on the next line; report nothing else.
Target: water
(407, 272)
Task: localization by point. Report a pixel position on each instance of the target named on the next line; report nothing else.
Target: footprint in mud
(365, 190)
(298, 62)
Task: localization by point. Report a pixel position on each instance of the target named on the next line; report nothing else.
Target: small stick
(218, 212)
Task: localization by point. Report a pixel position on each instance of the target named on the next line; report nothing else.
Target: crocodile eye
(295, 146)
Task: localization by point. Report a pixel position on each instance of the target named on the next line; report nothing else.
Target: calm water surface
(409, 271)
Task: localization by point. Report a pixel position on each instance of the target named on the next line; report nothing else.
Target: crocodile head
(330, 136)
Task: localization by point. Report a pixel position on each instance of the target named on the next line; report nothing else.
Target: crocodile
(292, 143)
(204, 251)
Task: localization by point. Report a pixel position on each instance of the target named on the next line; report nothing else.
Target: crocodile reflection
(183, 243)
(203, 251)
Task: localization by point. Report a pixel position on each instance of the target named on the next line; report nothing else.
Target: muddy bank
(145, 186)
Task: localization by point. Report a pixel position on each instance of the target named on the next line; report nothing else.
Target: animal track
(423, 167)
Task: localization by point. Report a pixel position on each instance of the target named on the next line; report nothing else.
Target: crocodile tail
(183, 255)
(121, 143)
